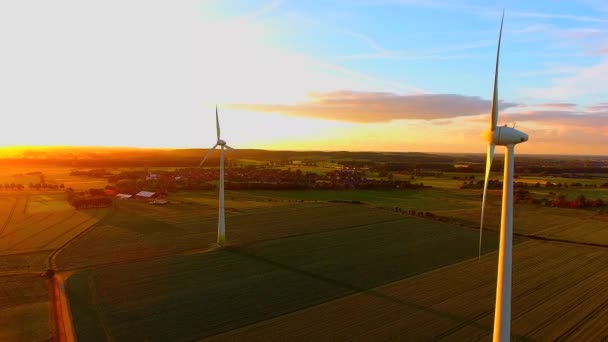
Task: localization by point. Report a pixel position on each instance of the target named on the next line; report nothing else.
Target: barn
(146, 195)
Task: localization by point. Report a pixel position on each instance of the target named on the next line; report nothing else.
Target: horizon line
(23, 147)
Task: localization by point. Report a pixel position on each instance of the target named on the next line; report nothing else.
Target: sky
(358, 75)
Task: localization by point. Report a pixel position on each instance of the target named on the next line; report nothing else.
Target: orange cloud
(362, 107)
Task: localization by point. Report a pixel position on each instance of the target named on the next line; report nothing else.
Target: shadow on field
(207, 294)
(460, 320)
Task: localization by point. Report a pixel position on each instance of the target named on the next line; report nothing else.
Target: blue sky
(444, 46)
(394, 75)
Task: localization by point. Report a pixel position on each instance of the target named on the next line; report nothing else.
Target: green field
(298, 263)
(553, 298)
(427, 200)
(24, 308)
(290, 252)
(137, 230)
(244, 284)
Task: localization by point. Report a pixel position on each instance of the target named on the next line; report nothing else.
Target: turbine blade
(494, 119)
(207, 155)
(489, 160)
(217, 123)
(232, 154)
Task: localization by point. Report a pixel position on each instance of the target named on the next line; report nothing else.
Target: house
(123, 196)
(152, 176)
(146, 195)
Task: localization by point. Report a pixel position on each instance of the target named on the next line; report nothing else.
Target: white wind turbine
(221, 225)
(508, 137)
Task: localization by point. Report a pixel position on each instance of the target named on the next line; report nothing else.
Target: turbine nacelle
(221, 142)
(505, 136)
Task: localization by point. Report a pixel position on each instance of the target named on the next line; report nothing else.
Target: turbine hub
(505, 136)
(221, 142)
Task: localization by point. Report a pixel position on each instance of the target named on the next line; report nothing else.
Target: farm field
(246, 283)
(302, 257)
(41, 222)
(32, 225)
(584, 226)
(464, 207)
(137, 230)
(427, 200)
(553, 298)
(52, 175)
(24, 308)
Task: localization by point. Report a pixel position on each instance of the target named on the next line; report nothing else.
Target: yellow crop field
(42, 222)
(559, 223)
(52, 175)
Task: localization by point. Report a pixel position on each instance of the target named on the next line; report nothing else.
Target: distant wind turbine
(508, 137)
(221, 225)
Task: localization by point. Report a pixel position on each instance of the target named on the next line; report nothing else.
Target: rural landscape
(322, 246)
(279, 170)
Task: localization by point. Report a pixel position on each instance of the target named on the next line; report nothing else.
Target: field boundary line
(378, 292)
(18, 273)
(532, 236)
(317, 232)
(41, 231)
(95, 306)
(32, 251)
(189, 251)
(27, 201)
(9, 217)
(46, 245)
(192, 251)
(51, 258)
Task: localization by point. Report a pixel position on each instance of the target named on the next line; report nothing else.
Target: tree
(581, 201)
(560, 201)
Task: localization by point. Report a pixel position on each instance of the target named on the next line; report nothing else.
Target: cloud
(558, 106)
(456, 51)
(364, 107)
(600, 51)
(265, 9)
(562, 118)
(585, 81)
(540, 15)
(600, 107)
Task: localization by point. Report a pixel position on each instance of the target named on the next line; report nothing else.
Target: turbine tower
(508, 137)
(221, 224)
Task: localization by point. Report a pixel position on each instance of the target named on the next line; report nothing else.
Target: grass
(206, 294)
(24, 308)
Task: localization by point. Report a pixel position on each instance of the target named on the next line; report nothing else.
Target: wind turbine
(508, 137)
(221, 225)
